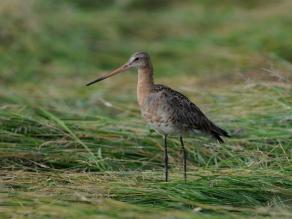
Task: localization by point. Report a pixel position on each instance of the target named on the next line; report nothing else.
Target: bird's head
(137, 60)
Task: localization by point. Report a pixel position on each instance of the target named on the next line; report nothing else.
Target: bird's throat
(145, 83)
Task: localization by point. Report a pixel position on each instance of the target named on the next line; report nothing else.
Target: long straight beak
(120, 69)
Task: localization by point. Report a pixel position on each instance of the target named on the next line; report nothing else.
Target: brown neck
(145, 82)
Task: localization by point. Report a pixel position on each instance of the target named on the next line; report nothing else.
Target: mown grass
(70, 151)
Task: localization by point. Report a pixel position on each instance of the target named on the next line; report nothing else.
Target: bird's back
(170, 112)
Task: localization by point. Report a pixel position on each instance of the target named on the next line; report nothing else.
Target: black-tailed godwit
(166, 110)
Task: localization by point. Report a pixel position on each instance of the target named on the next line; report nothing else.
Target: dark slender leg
(184, 158)
(165, 159)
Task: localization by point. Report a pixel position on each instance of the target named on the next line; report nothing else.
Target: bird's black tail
(217, 132)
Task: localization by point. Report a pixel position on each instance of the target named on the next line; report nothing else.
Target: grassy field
(71, 151)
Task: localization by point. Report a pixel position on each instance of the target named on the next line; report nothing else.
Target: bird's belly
(159, 114)
(162, 123)
(165, 128)
(172, 129)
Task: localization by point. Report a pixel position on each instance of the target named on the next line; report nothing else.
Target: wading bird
(166, 110)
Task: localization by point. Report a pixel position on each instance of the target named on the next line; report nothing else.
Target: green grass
(71, 151)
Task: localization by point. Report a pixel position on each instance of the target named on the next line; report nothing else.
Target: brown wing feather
(188, 114)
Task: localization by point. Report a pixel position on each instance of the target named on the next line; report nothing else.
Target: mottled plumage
(170, 112)
(166, 110)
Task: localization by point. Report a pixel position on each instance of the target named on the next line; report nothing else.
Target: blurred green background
(86, 152)
(48, 47)
(46, 40)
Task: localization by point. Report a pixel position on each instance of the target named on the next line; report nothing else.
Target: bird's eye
(136, 59)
